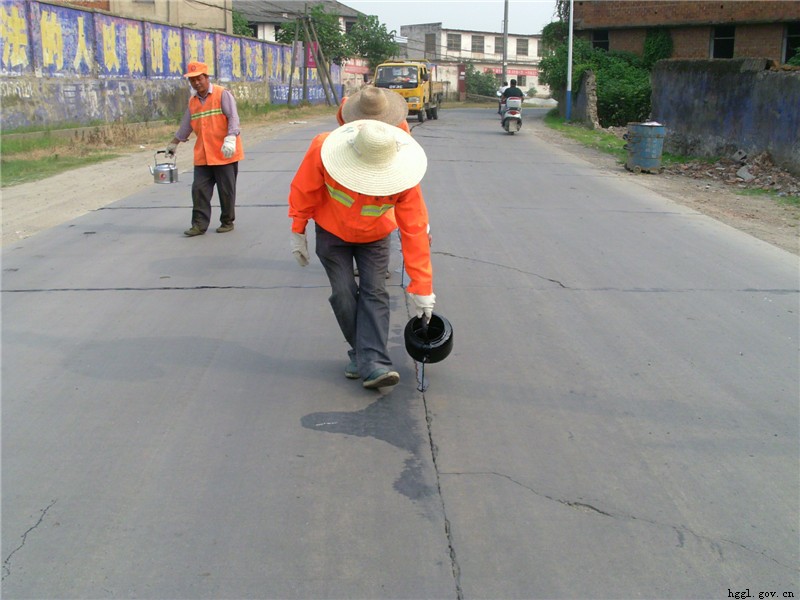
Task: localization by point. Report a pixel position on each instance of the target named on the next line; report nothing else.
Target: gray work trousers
(205, 177)
(361, 309)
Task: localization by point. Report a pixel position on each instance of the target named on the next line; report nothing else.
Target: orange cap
(196, 68)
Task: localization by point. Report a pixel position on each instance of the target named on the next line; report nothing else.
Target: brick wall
(691, 42)
(609, 14)
(759, 40)
(629, 40)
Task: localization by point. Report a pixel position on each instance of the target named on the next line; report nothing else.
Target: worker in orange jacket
(358, 183)
(374, 103)
(213, 117)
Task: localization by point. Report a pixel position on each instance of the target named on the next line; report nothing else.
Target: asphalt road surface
(618, 418)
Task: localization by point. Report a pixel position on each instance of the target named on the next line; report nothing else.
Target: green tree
(657, 46)
(481, 84)
(240, 25)
(795, 60)
(331, 39)
(370, 40)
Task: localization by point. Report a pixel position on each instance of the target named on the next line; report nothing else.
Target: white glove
(229, 146)
(300, 248)
(424, 305)
(171, 148)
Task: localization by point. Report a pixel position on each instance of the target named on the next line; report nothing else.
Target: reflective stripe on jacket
(358, 218)
(210, 125)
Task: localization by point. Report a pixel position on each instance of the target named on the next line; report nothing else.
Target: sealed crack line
(448, 532)
(715, 545)
(494, 264)
(7, 561)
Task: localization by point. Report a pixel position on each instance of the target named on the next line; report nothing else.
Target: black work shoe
(225, 227)
(381, 378)
(195, 230)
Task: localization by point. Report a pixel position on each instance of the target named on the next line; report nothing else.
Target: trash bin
(645, 143)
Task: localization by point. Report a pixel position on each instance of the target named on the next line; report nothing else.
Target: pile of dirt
(742, 172)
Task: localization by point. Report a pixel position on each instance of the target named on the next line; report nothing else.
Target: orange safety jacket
(358, 218)
(210, 125)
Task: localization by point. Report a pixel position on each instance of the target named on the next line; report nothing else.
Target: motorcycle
(511, 114)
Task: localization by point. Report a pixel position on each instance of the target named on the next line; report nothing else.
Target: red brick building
(699, 29)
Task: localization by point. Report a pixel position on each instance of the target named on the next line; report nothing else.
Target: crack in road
(640, 290)
(7, 561)
(680, 530)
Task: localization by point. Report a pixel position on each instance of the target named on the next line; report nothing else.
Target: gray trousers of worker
(361, 308)
(205, 178)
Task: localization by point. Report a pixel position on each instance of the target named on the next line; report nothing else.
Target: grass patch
(792, 201)
(41, 153)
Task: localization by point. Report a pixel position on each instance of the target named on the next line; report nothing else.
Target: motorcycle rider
(512, 91)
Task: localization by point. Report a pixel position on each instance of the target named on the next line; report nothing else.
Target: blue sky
(524, 16)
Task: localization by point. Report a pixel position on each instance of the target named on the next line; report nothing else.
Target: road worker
(358, 183)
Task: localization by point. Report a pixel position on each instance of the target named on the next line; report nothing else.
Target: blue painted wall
(66, 65)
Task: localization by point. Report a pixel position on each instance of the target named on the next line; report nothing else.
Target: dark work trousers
(205, 178)
(361, 309)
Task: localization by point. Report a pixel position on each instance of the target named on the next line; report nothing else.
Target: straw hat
(375, 103)
(373, 158)
(195, 69)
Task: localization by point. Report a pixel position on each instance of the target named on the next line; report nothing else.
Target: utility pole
(569, 65)
(505, 42)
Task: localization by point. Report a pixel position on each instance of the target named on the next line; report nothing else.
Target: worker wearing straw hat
(374, 103)
(358, 183)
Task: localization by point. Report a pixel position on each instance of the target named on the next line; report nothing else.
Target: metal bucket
(164, 172)
(645, 144)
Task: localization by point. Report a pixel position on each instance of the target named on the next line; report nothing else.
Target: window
(454, 41)
(520, 81)
(792, 41)
(430, 44)
(722, 42)
(600, 39)
(499, 45)
(522, 47)
(477, 43)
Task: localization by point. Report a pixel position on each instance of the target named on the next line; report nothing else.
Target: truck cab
(412, 80)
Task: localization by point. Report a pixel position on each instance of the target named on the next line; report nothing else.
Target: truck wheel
(421, 115)
(434, 112)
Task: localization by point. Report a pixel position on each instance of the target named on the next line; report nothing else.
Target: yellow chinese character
(236, 57)
(52, 40)
(82, 54)
(15, 37)
(109, 33)
(157, 50)
(175, 52)
(133, 44)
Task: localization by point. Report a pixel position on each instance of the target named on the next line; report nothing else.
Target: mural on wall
(65, 40)
(15, 54)
(253, 60)
(229, 58)
(199, 46)
(164, 58)
(120, 47)
(63, 64)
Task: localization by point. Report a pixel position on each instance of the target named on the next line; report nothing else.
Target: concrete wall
(715, 107)
(62, 65)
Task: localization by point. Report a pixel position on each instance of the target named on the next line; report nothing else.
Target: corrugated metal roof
(266, 11)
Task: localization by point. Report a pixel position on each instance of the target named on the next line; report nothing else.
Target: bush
(623, 81)
(481, 84)
(795, 60)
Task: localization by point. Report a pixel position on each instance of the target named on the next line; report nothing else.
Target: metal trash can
(645, 144)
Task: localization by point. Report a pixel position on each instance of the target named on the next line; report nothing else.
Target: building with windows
(699, 30)
(265, 18)
(484, 49)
